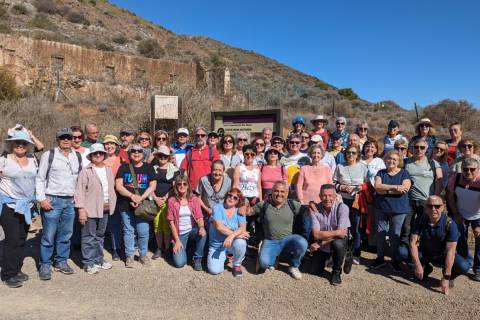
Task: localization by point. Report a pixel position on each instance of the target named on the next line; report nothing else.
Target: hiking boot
(115, 256)
(197, 264)
(144, 260)
(335, 280)
(427, 270)
(356, 260)
(45, 272)
(13, 282)
(237, 271)
(64, 268)
(22, 276)
(129, 263)
(347, 266)
(397, 266)
(295, 273)
(378, 263)
(105, 265)
(91, 269)
(157, 254)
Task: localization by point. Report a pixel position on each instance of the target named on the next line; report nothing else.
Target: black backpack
(51, 155)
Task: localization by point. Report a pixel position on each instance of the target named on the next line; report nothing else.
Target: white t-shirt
(373, 167)
(184, 220)
(102, 174)
(249, 181)
(15, 181)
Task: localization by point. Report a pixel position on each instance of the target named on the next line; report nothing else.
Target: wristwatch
(447, 276)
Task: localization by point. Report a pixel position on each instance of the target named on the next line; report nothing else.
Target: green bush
(150, 48)
(8, 86)
(19, 9)
(41, 21)
(348, 93)
(321, 85)
(77, 17)
(104, 47)
(120, 40)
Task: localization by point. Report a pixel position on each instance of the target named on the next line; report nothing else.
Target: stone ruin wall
(88, 72)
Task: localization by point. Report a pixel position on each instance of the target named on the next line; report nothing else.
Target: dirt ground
(161, 291)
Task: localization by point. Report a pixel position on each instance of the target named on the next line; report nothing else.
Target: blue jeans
(295, 245)
(113, 227)
(462, 246)
(217, 256)
(354, 215)
(180, 258)
(93, 234)
(388, 222)
(57, 231)
(130, 225)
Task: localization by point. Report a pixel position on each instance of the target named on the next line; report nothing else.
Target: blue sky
(403, 50)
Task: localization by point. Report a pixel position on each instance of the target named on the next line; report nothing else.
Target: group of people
(319, 195)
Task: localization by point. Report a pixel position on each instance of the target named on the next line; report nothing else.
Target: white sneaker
(105, 265)
(91, 269)
(296, 274)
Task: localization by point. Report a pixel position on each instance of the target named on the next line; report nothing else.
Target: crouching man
(434, 241)
(278, 218)
(330, 223)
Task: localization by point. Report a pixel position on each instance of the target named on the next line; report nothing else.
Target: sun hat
(110, 138)
(424, 121)
(96, 147)
(163, 150)
(319, 118)
(64, 132)
(19, 135)
(183, 131)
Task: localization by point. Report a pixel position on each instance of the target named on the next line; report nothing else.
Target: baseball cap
(64, 132)
(183, 131)
(163, 150)
(126, 130)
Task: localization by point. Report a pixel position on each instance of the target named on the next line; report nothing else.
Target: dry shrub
(8, 86)
(46, 6)
(447, 111)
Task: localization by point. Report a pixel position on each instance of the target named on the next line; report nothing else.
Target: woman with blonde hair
(425, 130)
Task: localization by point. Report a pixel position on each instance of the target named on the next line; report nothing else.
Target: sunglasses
(136, 151)
(424, 125)
(227, 141)
(65, 137)
(125, 134)
(260, 144)
(363, 129)
(232, 196)
(80, 137)
(294, 142)
(340, 123)
(143, 139)
(96, 154)
(400, 149)
(440, 149)
(161, 139)
(436, 206)
(242, 139)
(419, 147)
(249, 154)
(471, 170)
(20, 144)
(163, 156)
(351, 152)
(277, 142)
(468, 146)
(182, 184)
(200, 135)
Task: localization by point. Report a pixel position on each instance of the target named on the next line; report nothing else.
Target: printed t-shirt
(145, 174)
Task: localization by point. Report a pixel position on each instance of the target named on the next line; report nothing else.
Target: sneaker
(476, 276)
(356, 260)
(378, 263)
(22, 276)
(397, 266)
(347, 266)
(129, 263)
(92, 269)
(105, 265)
(296, 274)
(144, 260)
(157, 254)
(237, 271)
(13, 282)
(427, 270)
(335, 280)
(45, 272)
(64, 268)
(197, 264)
(115, 256)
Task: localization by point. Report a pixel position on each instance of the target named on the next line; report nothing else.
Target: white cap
(316, 138)
(163, 150)
(183, 130)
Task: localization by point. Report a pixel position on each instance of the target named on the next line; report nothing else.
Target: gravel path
(161, 291)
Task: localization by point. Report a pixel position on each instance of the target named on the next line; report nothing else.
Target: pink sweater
(310, 180)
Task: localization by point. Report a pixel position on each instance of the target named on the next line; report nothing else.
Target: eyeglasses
(232, 196)
(182, 184)
(200, 135)
(471, 170)
(80, 137)
(277, 142)
(468, 146)
(351, 152)
(294, 142)
(144, 139)
(260, 144)
(125, 134)
(65, 137)
(340, 123)
(161, 139)
(424, 125)
(20, 144)
(436, 206)
(136, 151)
(227, 141)
(242, 139)
(400, 149)
(249, 154)
(96, 154)
(440, 149)
(419, 147)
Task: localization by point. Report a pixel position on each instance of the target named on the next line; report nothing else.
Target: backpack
(424, 221)
(51, 155)
(188, 156)
(297, 222)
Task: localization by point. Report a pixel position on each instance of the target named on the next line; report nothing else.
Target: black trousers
(15, 230)
(338, 248)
